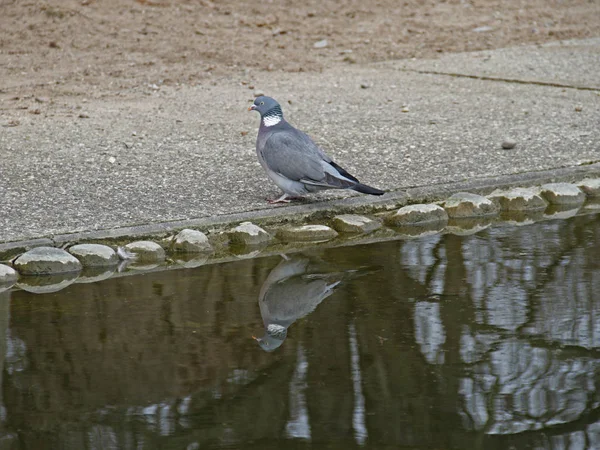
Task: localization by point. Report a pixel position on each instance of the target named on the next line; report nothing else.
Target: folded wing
(295, 156)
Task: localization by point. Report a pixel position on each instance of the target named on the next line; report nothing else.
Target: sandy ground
(50, 50)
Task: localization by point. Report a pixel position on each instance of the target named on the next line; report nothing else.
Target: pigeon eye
(262, 103)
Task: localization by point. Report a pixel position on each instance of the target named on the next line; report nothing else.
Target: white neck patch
(269, 121)
(273, 328)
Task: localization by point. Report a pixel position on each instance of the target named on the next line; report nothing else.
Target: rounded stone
(45, 261)
(307, 233)
(518, 199)
(7, 274)
(417, 215)
(351, 223)
(191, 241)
(562, 194)
(94, 255)
(8, 277)
(591, 187)
(509, 144)
(465, 204)
(247, 233)
(146, 251)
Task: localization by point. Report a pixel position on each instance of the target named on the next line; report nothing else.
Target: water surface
(488, 341)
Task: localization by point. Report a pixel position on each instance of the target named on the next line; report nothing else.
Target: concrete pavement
(186, 154)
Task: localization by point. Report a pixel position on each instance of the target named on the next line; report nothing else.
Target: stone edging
(299, 227)
(295, 213)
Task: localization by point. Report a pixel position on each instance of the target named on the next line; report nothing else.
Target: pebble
(518, 199)
(508, 144)
(417, 215)
(351, 223)
(191, 241)
(46, 260)
(466, 204)
(591, 187)
(8, 277)
(320, 44)
(248, 233)
(483, 29)
(146, 251)
(562, 194)
(94, 255)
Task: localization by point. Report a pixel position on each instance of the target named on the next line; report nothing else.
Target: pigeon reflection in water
(292, 290)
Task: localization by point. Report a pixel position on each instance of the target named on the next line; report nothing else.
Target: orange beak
(252, 108)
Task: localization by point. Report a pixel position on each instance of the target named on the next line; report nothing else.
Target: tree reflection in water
(488, 341)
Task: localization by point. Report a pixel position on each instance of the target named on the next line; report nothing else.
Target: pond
(486, 341)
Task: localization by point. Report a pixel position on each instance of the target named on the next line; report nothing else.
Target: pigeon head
(269, 109)
(273, 338)
(268, 343)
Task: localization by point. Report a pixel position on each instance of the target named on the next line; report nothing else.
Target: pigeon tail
(364, 189)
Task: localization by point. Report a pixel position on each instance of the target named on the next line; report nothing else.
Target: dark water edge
(488, 341)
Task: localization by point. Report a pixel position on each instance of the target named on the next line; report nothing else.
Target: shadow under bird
(293, 161)
(292, 290)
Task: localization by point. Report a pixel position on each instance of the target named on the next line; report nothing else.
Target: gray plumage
(293, 161)
(294, 289)
(289, 293)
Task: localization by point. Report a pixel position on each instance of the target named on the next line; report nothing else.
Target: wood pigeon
(293, 161)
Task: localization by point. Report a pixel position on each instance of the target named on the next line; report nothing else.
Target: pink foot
(278, 200)
(283, 199)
